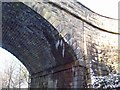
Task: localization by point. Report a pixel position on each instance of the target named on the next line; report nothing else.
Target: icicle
(57, 44)
(63, 50)
(61, 43)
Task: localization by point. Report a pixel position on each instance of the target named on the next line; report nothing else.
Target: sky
(104, 7)
(6, 59)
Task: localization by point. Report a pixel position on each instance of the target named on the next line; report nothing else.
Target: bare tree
(15, 76)
(7, 77)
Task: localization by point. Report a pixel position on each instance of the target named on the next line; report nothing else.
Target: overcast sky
(103, 7)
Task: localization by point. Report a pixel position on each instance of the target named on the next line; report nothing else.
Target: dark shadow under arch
(32, 39)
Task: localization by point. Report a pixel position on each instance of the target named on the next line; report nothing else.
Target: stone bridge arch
(87, 32)
(65, 38)
(39, 46)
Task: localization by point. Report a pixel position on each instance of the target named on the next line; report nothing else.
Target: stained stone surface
(61, 43)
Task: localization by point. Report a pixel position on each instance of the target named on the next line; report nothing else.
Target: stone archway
(38, 45)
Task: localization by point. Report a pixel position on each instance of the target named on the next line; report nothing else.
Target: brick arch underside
(32, 39)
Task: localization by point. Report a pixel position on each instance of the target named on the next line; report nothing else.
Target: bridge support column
(66, 76)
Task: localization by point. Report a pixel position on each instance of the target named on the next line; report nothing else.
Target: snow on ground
(110, 81)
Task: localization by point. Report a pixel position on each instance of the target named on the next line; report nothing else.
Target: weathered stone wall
(92, 40)
(65, 77)
(39, 46)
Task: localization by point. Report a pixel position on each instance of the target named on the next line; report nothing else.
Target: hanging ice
(57, 44)
(63, 50)
(61, 43)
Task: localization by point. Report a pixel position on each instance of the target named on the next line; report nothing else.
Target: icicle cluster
(61, 44)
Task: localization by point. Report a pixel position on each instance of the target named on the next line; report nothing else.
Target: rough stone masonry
(61, 43)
